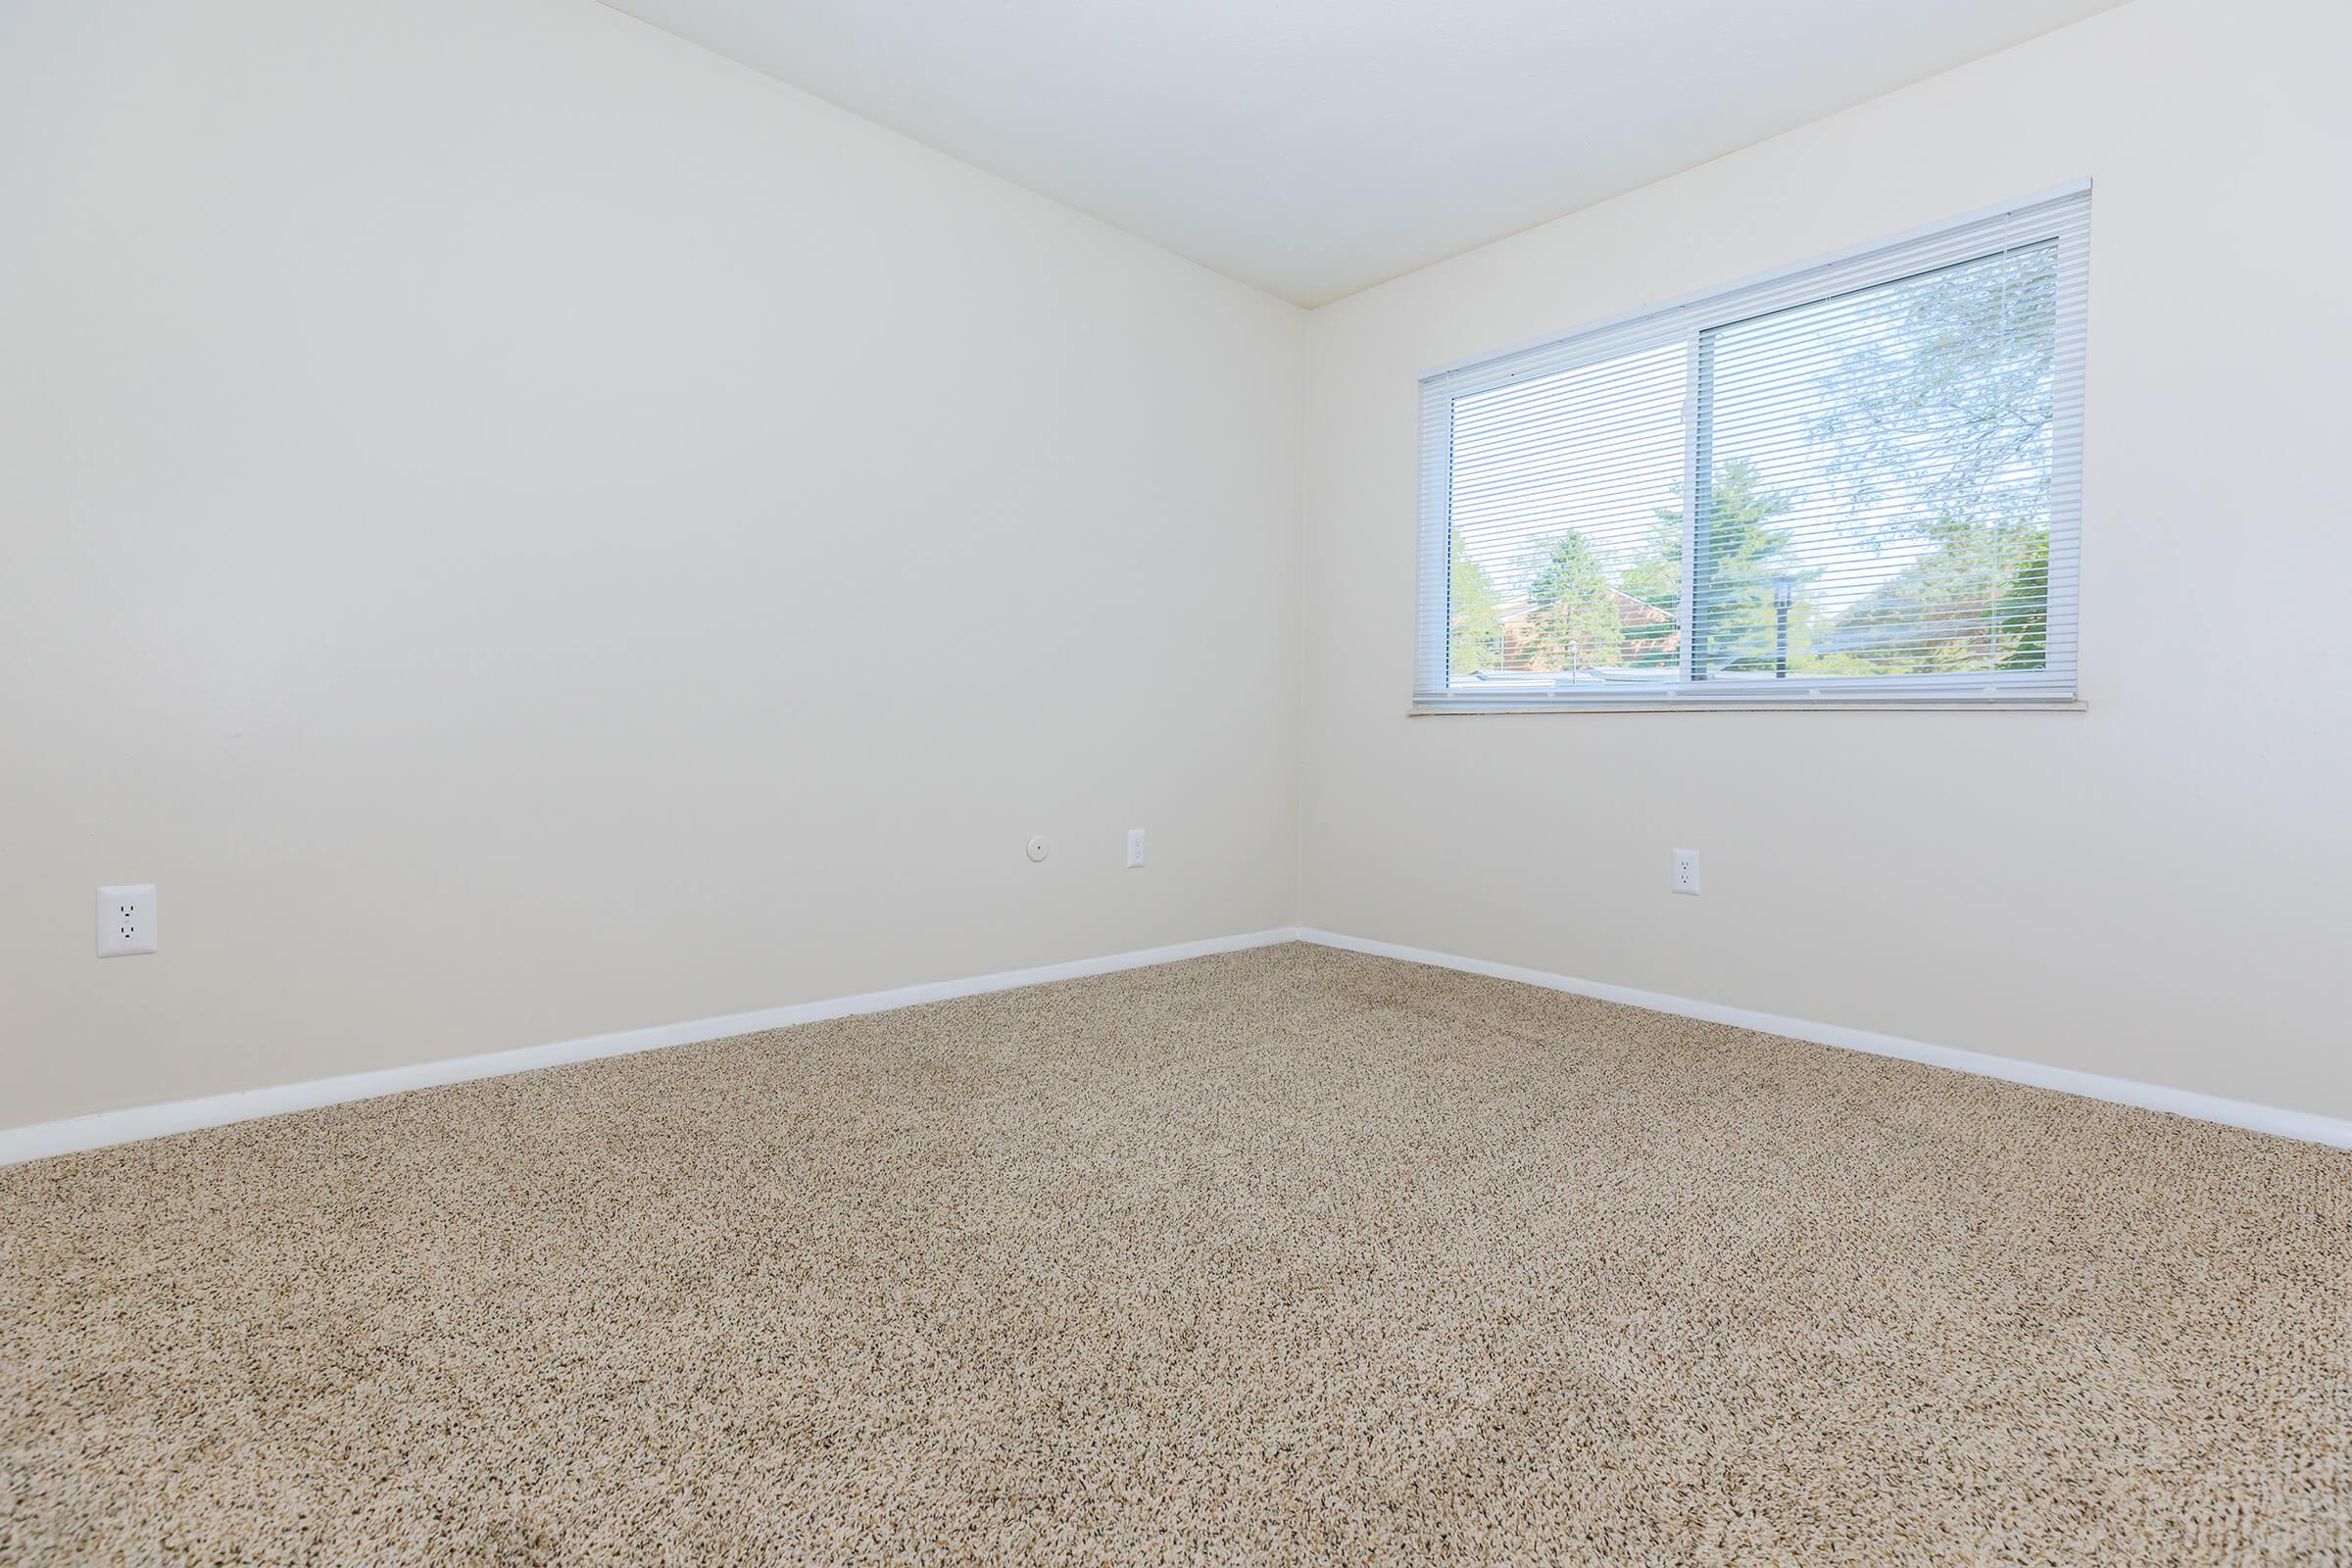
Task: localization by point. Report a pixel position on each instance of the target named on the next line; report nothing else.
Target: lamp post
(1784, 589)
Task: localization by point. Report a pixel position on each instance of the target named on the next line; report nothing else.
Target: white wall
(2151, 889)
(524, 529)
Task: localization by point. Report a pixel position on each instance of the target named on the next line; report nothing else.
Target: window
(1857, 482)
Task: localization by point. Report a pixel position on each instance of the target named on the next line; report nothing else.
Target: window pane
(1881, 468)
(1566, 556)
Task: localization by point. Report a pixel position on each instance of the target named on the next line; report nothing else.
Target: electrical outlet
(126, 920)
(1685, 871)
(1135, 847)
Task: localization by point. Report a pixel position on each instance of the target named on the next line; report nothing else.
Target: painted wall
(2151, 889)
(524, 529)
(527, 529)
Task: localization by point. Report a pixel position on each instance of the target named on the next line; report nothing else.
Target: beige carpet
(1285, 1256)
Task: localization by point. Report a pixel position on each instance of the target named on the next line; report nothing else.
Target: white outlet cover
(1038, 849)
(1685, 871)
(1135, 846)
(126, 920)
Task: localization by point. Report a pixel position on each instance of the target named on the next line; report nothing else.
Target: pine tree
(1572, 619)
(1739, 556)
(1474, 609)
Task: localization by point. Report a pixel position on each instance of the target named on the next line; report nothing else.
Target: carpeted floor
(1285, 1256)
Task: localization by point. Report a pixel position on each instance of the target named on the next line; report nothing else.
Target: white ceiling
(1314, 147)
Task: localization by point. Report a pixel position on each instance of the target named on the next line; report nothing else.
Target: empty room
(1053, 783)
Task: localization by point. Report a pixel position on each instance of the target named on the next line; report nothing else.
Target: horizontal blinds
(1856, 479)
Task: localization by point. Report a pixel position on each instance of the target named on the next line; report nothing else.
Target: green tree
(1654, 576)
(1741, 554)
(1948, 407)
(1475, 609)
(1932, 421)
(1572, 617)
(1928, 442)
(2021, 622)
(1978, 601)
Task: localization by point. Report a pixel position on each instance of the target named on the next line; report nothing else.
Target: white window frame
(2061, 215)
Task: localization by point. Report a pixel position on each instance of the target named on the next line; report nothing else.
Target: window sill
(1777, 706)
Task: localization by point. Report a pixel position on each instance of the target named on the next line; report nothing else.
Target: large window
(1858, 481)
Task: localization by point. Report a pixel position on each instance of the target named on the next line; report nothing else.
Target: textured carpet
(1285, 1256)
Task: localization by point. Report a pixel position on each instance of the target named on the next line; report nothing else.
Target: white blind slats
(1885, 449)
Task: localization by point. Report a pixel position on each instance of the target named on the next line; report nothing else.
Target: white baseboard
(2297, 1124)
(19, 1144)
(108, 1127)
